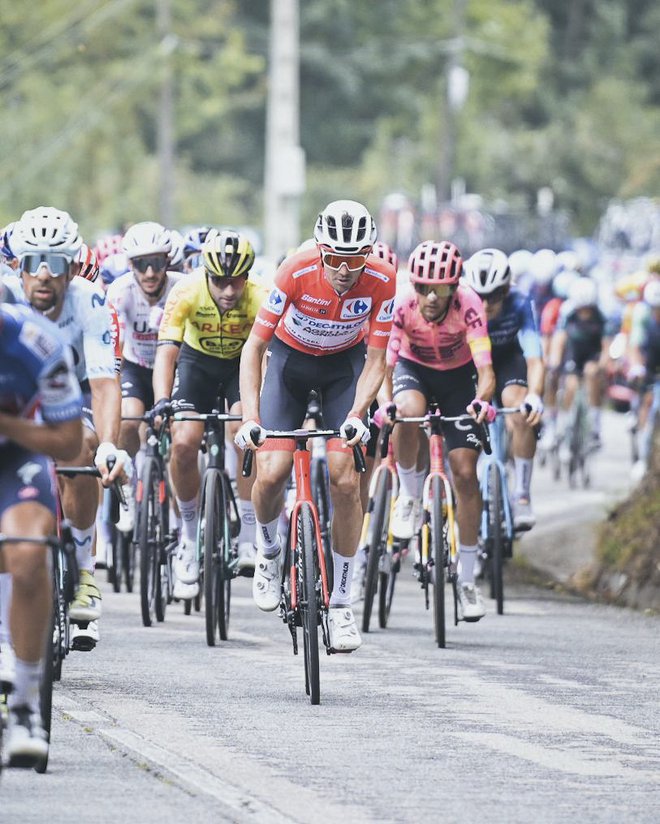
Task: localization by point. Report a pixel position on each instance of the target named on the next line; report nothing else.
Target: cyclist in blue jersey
(36, 374)
(517, 363)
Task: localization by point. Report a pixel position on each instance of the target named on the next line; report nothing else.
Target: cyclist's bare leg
(186, 440)
(80, 494)
(273, 471)
(406, 439)
(523, 436)
(593, 377)
(345, 494)
(463, 463)
(31, 584)
(129, 432)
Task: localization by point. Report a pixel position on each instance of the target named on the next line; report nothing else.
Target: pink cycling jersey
(461, 336)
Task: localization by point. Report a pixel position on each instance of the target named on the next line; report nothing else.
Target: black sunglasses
(157, 262)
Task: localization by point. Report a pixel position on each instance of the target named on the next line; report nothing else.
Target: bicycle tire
(438, 554)
(117, 560)
(212, 540)
(224, 552)
(308, 605)
(128, 557)
(147, 540)
(496, 538)
(46, 690)
(375, 544)
(387, 583)
(321, 492)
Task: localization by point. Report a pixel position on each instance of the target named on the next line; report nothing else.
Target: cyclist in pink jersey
(439, 338)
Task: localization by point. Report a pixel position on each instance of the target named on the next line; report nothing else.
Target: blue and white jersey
(516, 324)
(36, 368)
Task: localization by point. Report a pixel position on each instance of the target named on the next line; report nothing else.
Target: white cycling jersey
(85, 323)
(138, 319)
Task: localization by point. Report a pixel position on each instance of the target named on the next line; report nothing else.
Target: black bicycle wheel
(212, 541)
(224, 553)
(375, 542)
(438, 554)
(128, 559)
(495, 538)
(117, 559)
(46, 688)
(321, 492)
(308, 576)
(148, 540)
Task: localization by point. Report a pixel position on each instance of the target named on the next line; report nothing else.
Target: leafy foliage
(565, 95)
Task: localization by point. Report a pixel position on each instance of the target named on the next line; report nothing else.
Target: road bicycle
(305, 593)
(577, 439)
(383, 554)
(152, 534)
(438, 550)
(321, 479)
(64, 580)
(219, 525)
(80, 638)
(497, 531)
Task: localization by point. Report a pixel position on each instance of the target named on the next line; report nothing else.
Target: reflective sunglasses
(221, 281)
(57, 264)
(353, 262)
(441, 290)
(157, 262)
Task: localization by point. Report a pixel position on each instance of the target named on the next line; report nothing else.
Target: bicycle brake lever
(247, 463)
(358, 457)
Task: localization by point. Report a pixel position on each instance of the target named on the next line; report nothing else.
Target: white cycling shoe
(185, 569)
(267, 581)
(470, 603)
(344, 634)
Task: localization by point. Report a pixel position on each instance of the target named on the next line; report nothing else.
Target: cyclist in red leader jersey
(314, 324)
(439, 339)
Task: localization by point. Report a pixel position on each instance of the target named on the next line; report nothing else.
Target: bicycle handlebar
(303, 435)
(111, 460)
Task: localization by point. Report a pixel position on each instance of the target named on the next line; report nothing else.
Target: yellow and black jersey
(192, 317)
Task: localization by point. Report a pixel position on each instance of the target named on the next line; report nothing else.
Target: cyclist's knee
(27, 565)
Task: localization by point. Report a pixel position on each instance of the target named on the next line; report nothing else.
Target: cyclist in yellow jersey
(207, 319)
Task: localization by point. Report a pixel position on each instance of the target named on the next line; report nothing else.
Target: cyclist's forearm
(106, 408)
(164, 366)
(385, 392)
(535, 376)
(485, 382)
(61, 441)
(250, 376)
(369, 381)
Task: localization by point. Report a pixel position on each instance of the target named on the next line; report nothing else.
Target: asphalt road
(549, 713)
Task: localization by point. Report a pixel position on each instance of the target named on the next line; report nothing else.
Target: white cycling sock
(267, 537)
(103, 529)
(84, 541)
(594, 418)
(5, 603)
(341, 591)
(248, 521)
(467, 557)
(523, 476)
(188, 510)
(26, 685)
(407, 481)
(420, 477)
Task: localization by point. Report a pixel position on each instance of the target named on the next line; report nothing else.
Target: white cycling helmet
(652, 294)
(583, 292)
(520, 263)
(544, 266)
(562, 282)
(176, 251)
(345, 227)
(487, 270)
(46, 229)
(147, 238)
(568, 260)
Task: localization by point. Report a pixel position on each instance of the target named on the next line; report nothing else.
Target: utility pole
(455, 93)
(285, 162)
(166, 117)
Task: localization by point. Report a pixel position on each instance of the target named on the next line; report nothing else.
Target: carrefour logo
(386, 311)
(356, 307)
(276, 301)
